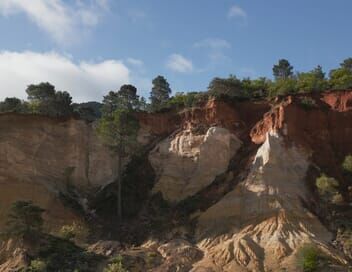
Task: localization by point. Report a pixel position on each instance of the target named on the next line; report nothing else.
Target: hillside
(225, 186)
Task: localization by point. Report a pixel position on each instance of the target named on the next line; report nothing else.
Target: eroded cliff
(233, 184)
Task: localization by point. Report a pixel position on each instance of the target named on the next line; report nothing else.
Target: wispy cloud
(85, 80)
(135, 62)
(179, 63)
(237, 12)
(61, 21)
(213, 43)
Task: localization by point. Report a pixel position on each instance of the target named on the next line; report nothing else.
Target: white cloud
(179, 63)
(61, 21)
(237, 12)
(213, 43)
(84, 80)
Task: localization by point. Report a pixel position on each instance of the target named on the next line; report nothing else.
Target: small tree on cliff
(118, 128)
(44, 99)
(341, 78)
(283, 70)
(160, 93)
(24, 220)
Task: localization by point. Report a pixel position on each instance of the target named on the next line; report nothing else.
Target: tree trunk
(119, 189)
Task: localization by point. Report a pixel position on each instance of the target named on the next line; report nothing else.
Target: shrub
(347, 164)
(37, 266)
(116, 265)
(74, 232)
(24, 220)
(308, 258)
(327, 185)
(63, 255)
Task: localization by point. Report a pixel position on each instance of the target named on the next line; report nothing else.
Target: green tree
(283, 70)
(44, 99)
(24, 220)
(283, 87)
(231, 87)
(160, 93)
(125, 98)
(347, 64)
(312, 81)
(308, 258)
(12, 104)
(118, 128)
(341, 78)
(256, 87)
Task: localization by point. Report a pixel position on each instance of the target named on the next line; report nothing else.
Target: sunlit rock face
(187, 162)
(261, 223)
(41, 157)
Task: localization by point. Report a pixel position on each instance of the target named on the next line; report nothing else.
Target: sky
(90, 47)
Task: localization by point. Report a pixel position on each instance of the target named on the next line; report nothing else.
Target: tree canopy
(282, 70)
(44, 99)
(160, 93)
(24, 219)
(119, 127)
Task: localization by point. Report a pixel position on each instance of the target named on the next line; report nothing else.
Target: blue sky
(88, 47)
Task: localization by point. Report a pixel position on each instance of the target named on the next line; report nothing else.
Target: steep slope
(42, 159)
(262, 223)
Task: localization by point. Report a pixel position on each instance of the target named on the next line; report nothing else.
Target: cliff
(232, 189)
(42, 159)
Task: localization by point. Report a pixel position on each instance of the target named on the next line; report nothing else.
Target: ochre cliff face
(325, 130)
(252, 215)
(40, 157)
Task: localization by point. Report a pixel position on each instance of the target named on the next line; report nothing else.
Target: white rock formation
(185, 163)
(260, 225)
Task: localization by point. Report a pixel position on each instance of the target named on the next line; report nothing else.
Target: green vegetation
(45, 100)
(282, 70)
(309, 258)
(75, 232)
(347, 164)
(116, 265)
(37, 266)
(118, 128)
(62, 255)
(313, 81)
(328, 189)
(24, 220)
(341, 78)
(160, 93)
(89, 111)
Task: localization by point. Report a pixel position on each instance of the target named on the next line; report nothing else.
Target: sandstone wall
(40, 157)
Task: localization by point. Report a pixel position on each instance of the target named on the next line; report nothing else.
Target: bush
(328, 189)
(308, 258)
(74, 232)
(347, 164)
(24, 220)
(37, 266)
(116, 265)
(327, 185)
(63, 255)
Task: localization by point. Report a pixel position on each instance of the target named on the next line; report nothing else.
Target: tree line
(44, 99)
